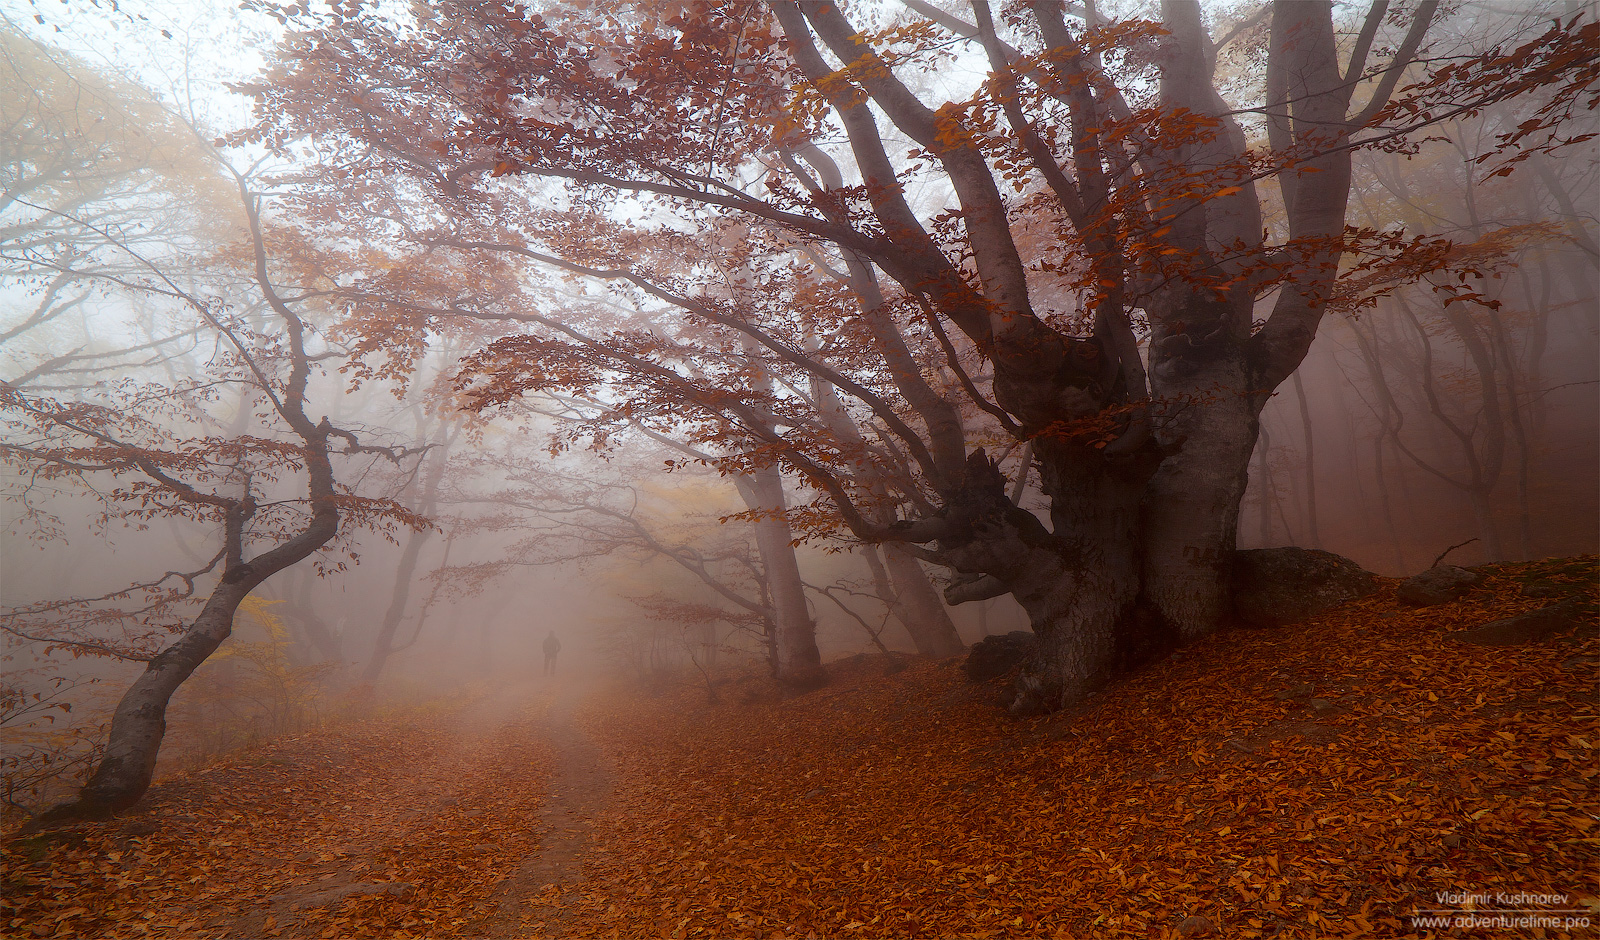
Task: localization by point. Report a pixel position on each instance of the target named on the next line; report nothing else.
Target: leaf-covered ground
(1329, 779)
(401, 826)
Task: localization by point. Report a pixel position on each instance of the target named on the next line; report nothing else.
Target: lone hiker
(552, 646)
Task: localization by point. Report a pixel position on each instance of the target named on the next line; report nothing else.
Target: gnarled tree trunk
(140, 721)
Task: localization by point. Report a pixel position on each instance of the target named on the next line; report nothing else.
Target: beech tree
(84, 155)
(231, 446)
(1124, 265)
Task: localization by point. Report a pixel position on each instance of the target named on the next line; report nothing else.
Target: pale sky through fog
(184, 51)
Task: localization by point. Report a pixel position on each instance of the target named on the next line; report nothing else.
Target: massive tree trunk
(1190, 510)
(1079, 584)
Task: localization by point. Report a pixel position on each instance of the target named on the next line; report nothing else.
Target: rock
(1530, 627)
(995, 656)
(1196, 926)
(1277, 586)
(1439, 585)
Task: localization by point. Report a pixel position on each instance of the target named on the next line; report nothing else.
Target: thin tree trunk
(798, 661)
(316, 631)
(1314, 537)
(140, 721)
(406, 569)
(1264, 488)
(920, 608)
(405, 572)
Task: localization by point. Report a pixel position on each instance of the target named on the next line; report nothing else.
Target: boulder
(995, 656)
(1277, 586)
(1531, 627)
(1439, 585)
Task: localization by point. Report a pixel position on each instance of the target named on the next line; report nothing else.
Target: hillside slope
(1322, 780)
(1330, 779)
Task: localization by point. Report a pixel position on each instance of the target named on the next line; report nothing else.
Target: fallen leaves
(397, 827)
(1327, 779)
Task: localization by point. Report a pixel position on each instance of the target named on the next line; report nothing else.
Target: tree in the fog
(232, 448)
(1458, 377)
(1131, 256)
(89, 166)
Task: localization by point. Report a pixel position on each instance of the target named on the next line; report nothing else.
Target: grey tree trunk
(1312, 533)
(406, 570)
(920, 608)
(798, 662)
(1190, 511)
(404, 574)
(140, 721)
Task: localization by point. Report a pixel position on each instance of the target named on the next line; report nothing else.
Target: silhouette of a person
(552, 646)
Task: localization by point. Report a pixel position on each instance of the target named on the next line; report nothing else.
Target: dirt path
(464, 822)
(578, 791)
(444, 795)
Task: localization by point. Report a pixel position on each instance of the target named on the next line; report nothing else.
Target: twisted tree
(1098, 248)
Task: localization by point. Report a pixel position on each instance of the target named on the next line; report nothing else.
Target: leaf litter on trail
(394, 827)
(1327, 779)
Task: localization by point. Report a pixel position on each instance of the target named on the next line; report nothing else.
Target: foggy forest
(799, 468)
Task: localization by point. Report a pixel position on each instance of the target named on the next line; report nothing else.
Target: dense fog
(187, 309)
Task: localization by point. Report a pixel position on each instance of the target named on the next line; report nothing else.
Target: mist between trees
(729, 336)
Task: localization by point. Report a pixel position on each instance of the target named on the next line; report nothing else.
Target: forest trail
(579, 789)
(1329, 779)
(453, 819)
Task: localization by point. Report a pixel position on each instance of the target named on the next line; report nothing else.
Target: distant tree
(92, 170)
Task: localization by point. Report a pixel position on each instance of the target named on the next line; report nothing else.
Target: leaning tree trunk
(140, 721)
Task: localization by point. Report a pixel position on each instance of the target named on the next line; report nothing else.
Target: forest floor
(1334, 778)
